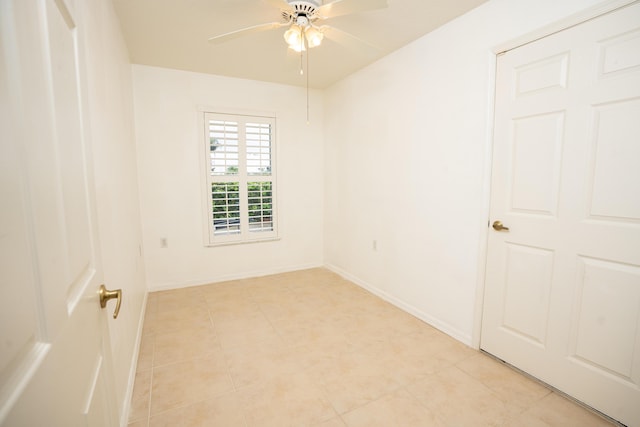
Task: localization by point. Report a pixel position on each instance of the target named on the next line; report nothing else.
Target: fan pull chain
(308, 86)
(301, 50)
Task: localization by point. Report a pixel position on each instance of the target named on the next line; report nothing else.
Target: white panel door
(562, 292)
(54, 369)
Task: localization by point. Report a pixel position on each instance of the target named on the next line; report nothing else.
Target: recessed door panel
(620, 53)
(71, 151)
(616, 175)
(542, 74)
(95, 412)
(527, 288)
(536, 155)
(606, 331)
(18, 324)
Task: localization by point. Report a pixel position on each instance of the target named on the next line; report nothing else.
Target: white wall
(407, 140)
(110, 108)
(170, 177)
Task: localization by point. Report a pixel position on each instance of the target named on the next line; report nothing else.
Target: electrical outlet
(163, 242)
(375, 245)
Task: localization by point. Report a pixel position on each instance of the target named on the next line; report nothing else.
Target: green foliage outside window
(260, 201)
(225, 199)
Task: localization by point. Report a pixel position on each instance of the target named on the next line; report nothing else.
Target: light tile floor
(309, 348)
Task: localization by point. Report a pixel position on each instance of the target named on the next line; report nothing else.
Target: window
(240, 178)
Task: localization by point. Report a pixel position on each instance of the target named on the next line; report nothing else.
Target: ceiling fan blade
(346, 7)
(248, 30)
(280, 4)
(349, 40)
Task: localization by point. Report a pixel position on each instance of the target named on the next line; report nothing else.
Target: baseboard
(226, 277)
(126, 407)
(403, 305)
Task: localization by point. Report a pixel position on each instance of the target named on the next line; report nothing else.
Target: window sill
(242, 242)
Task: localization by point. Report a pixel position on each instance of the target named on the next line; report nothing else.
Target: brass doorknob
(106, 295)
(497, 225)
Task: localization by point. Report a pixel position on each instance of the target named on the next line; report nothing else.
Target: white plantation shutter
(225, 198)
(240, 178)
(260, 198)
(258, 145)
(223, 147)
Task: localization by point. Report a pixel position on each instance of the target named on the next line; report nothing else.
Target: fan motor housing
(304, 8)
(315, 3)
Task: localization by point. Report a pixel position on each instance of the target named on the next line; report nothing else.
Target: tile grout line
(226, 361)
(153, 355)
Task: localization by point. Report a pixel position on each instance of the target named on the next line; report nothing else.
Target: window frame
(243, 178)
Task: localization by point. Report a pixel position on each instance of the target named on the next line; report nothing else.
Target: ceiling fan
(302, 18)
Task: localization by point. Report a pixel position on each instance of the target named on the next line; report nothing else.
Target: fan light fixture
(300, 30)
(301, 17)
(314, 36)
(294, 38)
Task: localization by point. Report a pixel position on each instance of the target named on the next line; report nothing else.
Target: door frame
(487, 168)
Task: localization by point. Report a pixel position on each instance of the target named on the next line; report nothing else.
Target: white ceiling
(174, 34)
